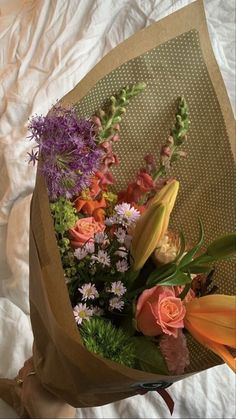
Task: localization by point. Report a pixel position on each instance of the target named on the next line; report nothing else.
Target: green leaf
(196, 269)
(182, 246)
(185, 291)
(178, 279)
(166, 271)
(130, 277)
(149, 356)
(189, 255)
(222, 247)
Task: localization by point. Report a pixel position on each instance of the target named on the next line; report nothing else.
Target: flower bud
(168, 249)
(152, 224)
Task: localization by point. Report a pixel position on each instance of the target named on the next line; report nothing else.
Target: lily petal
(217, 348)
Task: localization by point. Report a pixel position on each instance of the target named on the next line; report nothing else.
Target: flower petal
(217, 348)
(213, 316)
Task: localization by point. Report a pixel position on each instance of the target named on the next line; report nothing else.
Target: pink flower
(159, 311)
(166, 151)
(175, 352)
(84, 231)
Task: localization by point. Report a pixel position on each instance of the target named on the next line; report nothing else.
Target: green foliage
(148, 356)
(179, 271)
(64, 215)
(104, 339)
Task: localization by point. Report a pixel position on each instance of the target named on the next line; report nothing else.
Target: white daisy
(120, 234)
(82, 312)
(80, 253)
(122, 265)
(97, 311)
(118, 288)
(88, 291)
(127, 214)
(100, 237)
(116, 303)
(103, 258)
(89, 246)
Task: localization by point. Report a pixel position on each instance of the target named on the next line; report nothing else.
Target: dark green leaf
(182, 246)
(196, 269)
(222, 247)
(178, 279)
(163, 272)
(149, 356)
(185, 291)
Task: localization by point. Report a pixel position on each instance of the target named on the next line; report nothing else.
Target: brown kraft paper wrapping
(173, 57)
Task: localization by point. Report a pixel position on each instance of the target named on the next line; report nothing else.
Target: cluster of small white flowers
(82, 312)
(88, 291)
(117, 288)
(116, 303)
(102, 257)
(81, 252)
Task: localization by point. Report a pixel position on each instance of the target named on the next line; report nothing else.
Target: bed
(47, 47)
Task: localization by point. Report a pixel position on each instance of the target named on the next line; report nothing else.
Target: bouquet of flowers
(131, 243)
(136, 285)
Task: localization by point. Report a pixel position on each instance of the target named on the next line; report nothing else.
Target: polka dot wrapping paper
(174, 58)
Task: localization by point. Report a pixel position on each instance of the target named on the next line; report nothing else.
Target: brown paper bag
(174, 57)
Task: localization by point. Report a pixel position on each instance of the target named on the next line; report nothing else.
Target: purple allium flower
(33, 157)
(68, 151)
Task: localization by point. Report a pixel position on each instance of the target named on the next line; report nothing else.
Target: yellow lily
(153, 224)
(212, 322)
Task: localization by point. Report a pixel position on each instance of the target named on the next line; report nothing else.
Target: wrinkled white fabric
(46, 47)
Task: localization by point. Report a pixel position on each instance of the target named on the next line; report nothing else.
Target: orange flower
(212, 322)
(91, 207)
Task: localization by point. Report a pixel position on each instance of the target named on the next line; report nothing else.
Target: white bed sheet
(46, 47)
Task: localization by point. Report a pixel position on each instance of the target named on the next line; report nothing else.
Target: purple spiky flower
(67, 149)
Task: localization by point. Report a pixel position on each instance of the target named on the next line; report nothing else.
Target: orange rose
(159, 311)
(84, 231)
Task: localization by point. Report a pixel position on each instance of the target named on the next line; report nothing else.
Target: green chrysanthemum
(104, 339)
(64, 215)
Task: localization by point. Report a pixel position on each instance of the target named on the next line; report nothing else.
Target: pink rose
(159, 311)
(84, 231)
